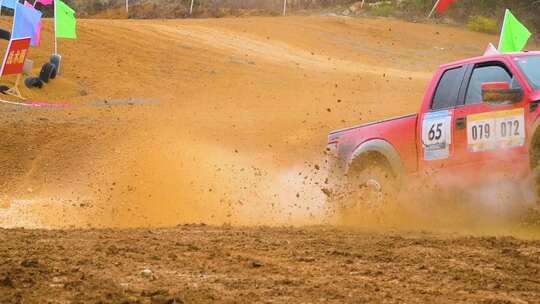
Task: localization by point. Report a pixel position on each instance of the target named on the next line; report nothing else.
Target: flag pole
(502, 29)
(127, 8)
(191, 8)
(13, 26)
(433, 9)
(284, 7)
(55, 36)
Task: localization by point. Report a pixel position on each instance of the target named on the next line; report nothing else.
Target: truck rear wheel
(367, 194)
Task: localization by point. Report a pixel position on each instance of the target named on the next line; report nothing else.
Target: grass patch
(483, 24)
(383, 10)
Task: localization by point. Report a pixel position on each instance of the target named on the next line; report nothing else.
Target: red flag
(443, 5)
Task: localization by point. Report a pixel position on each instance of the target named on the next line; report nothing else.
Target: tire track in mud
(279, 52)
(200, 264)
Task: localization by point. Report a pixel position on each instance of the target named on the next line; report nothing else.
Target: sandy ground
(224, 121)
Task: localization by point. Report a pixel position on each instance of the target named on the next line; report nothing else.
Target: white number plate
(496, 130)
(437, 135)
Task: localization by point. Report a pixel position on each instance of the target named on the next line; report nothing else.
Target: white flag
(491, 50)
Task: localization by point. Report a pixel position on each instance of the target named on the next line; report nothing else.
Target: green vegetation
(483, 24)
(416, 6)
(386, 9)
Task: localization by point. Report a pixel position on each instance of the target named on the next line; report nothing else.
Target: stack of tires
(48, 72)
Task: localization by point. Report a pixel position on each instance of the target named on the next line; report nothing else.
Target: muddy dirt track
(161, 123)
(193, 263)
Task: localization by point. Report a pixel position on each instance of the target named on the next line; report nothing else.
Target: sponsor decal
(496, 130)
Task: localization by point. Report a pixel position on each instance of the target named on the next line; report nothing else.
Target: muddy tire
(367, 195)
(5, 35)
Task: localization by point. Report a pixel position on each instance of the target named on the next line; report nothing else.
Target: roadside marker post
(55, 31)
(502, 29)
(433, 9)
(284, 7)
(191, 7)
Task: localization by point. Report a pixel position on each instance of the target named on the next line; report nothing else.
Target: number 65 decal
(435, 132)
(436, 135)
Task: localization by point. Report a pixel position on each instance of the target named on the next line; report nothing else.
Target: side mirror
(500, 93)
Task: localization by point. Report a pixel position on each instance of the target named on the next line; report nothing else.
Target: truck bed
(400, 132)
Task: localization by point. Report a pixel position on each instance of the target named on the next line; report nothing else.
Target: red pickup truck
(478, 123)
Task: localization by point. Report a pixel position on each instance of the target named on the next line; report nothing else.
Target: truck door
(489, 140)
(435, 126)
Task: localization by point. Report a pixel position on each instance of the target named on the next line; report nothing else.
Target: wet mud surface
(204, 264)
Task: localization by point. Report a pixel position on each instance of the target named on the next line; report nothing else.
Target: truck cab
(478, 122)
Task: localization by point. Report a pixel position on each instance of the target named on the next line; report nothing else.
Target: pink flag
(38, 34)
(40, 25)
(45, 2)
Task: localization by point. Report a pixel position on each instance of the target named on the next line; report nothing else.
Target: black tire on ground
(55, 60)
(33, 82)
(38, 83)
(54, 72)
(29, 82)
(46, 71)
(6, 35)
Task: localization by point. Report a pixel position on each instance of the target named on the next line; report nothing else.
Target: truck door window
(495, 72)
(447, 91)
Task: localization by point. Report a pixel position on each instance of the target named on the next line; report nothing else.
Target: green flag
(514, 35)
(65, 22)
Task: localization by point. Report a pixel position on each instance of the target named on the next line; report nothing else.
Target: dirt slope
(168, 117)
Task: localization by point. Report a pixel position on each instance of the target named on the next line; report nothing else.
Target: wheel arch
(379, 151)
